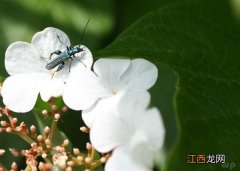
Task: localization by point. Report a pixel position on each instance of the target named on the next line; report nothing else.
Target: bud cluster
(41, 145)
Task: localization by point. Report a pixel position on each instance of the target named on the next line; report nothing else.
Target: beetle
(59, 61)
(64, 56)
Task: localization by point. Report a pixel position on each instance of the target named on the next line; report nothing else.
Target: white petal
(108, 130)
(110, 71)
(141, 149)
(83, 89)
(20, 91)
(122, 161)
(132, 108)
(132, 102)
(22, 57)
(111, 120)
(141, 74)
(51, 88)
(50, 40)
(99, 109)
(89, 115)
(152, 123)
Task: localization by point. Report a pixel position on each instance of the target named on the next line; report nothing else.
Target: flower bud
(88, 146)
(47, 129)
(54, 108)
(3, 123)
(88, 160)
(64, 109)
(33, 128)
(65, 142)
(103, 159)
(40, 138)
(14, 120)
(2, 151)
(56, 116)
(76, 151)
(44, 155)
(47, 142)
(8, 129)
(45, 112)
(14, 166)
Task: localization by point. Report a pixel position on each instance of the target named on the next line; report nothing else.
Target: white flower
(133, 132)
(26, 64)
(94, 92)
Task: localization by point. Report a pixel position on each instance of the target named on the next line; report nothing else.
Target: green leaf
(200, 41)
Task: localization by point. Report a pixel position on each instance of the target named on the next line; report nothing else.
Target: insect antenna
(61, 41)
(83, 32)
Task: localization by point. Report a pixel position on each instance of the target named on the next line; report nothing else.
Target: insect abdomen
(55, 62)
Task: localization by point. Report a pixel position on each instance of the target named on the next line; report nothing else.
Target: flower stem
(95, 165)
(53, 128)
(24, 136)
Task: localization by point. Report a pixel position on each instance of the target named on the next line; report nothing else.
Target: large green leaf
(200, 41)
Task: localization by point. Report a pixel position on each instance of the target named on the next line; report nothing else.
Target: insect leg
(57, 52)
(60, 66)
(61, 41)
(79, 60)
(53, 74)
(70, 64)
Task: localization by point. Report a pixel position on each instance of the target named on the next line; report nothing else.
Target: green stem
(53, 128)
(24, 136)
(95, 165)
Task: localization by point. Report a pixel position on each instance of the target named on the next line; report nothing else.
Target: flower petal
(133, 107)
(108, 129)
(83, 89)
(110, 71)
(122, 161)
(22, 57)
(20, 91)
(152, 124)
(133, 102)
(89, 115)
(147, 120)
(111, 128)
(99, 109)
(141, 74)
(51, 88)
(50, 40)
(141, 149)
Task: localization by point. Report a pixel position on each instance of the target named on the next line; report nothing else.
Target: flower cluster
(57, 156)
(113, 97)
